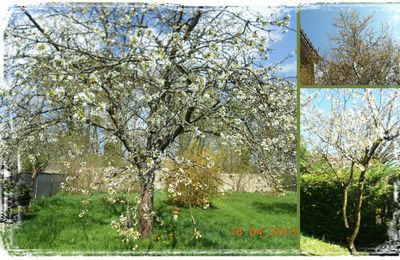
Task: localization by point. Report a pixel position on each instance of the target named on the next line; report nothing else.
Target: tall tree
(145, 74)
(349, 128)
(360, 54)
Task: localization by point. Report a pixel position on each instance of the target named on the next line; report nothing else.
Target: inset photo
(350, 171)
(350, 44)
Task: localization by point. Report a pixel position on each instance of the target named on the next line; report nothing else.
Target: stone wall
(235, 182)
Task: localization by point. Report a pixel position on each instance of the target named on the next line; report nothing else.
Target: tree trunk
(344, 206)
(33, 191)
(357, 213)
(146, 205)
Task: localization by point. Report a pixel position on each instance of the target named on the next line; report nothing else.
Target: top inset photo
(350, 44)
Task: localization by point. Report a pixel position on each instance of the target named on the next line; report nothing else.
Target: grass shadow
(277, 207)
(212, 205)
(205, 243)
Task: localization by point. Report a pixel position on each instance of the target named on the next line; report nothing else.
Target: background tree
(360, 54)
(349, 130)
(146, 74)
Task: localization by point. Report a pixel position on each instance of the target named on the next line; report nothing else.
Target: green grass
(54, 227)
(312, 246)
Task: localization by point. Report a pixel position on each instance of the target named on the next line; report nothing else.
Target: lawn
(54, 227)
(315, 247)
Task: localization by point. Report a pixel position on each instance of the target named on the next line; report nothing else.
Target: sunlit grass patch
(53, 223)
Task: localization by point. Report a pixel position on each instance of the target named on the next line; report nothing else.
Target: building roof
(308, 53)
(307, 41)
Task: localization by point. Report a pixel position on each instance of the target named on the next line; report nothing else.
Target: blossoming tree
(350, 128)
(146, 74)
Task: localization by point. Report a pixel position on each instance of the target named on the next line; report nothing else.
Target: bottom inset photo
(350, 171)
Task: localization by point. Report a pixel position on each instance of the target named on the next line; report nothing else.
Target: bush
(191, 181)
(19, 197)
(321, 206)
(20, 194)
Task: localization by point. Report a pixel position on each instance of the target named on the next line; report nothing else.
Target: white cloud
(288, 68)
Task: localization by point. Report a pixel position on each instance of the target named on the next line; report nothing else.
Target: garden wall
(235, 182)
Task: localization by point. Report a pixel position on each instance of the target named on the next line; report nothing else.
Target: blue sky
(317, 20)
(287, 44)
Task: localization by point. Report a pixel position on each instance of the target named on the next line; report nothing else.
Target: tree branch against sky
(350, 128)
(358, 43)
(360, 54)
(146, 74)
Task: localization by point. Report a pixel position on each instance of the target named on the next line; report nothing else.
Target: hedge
(321, 206)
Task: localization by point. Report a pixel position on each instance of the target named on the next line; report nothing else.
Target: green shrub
(20, 193)
(321, 206)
